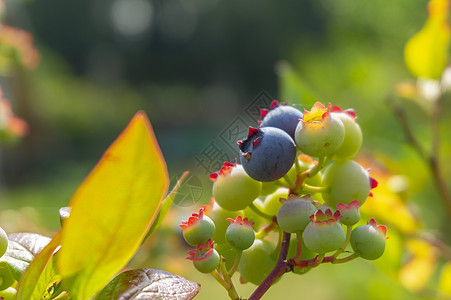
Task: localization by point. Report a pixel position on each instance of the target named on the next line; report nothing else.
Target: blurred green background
(194, 66)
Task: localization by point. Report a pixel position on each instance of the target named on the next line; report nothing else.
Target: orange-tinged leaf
(426, 53)
(112, 210)
(445, 280)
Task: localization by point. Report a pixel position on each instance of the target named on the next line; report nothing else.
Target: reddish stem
(281, 268)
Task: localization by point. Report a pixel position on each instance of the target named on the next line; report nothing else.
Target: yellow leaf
(445, 279)
(415, 274)
(426, 53)
(112, 210)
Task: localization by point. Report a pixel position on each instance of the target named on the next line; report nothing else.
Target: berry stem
(314, 189)
(297, 258)
(315, 169)
(298, 166)
(289, 182)
(230, 287)
(279, 244)
(344, 259)
(346, 242)
(235, 263)
(219, 279)
(318, 260)
(280, 269)
(259, 212)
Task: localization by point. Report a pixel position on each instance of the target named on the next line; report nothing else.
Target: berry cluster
(296, 177)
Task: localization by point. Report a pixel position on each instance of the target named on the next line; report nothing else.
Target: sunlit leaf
(40, 273)
(426, 53)
(112, 210)
(417, 271)
(167, 202)
(33, 242)
(22, 248)
(445, 280)
(149, 284)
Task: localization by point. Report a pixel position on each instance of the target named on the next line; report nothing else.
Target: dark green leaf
(149, 284)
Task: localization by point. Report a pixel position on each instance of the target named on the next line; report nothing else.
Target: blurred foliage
(192, 65)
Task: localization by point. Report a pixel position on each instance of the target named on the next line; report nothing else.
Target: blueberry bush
(299, 195)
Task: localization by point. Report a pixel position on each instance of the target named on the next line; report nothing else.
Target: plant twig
(281, 268)
(235, 263)
(431, 160)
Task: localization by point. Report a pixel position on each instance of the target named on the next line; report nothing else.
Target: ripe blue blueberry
(267, 154)
(284, 117)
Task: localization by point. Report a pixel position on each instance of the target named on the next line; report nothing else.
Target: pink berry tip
(320, 217)
(381, 228)
(202, 248)
(349, 111)
(351, 206)
(239, 220)
(195, 217)
(274, 104)
(252, 132)
(225, 169)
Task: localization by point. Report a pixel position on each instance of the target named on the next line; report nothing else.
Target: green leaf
(112, 210)
(32, 283)
(149, 284)
(167, 203)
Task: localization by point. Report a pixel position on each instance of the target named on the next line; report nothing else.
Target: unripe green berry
(233, 189)
(346, 181)
(205, 258)
(350, 212)
(257, 262)
(219, 216)
(240, 234)
(271, 204)
(6, 276)
(268, 188)
(295, 213)
(198, 229)
(319, 133)
(324, 233)
(368, 241)
(353, 135)
(3, 242)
